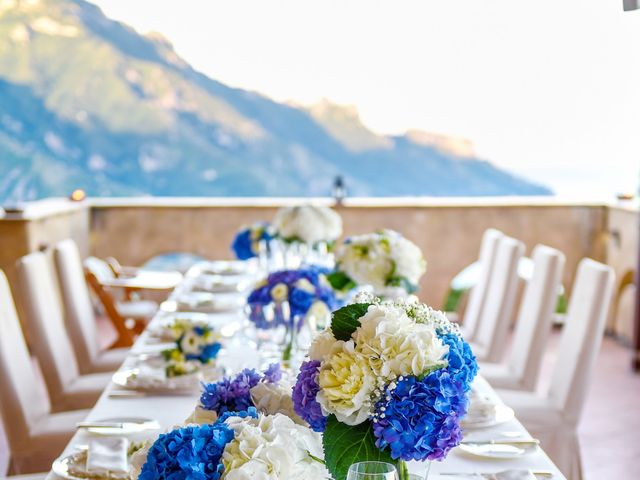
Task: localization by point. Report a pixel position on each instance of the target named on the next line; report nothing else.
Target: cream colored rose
(272, 398)
(346, 384)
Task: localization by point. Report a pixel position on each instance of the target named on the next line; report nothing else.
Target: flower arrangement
(267, 392)
(308, 224)
(196, 343)
(388, 381)
(305, 291)
(382, 259)
(246, 243)
(238, 446)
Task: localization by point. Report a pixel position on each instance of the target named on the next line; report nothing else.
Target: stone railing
(448, 230)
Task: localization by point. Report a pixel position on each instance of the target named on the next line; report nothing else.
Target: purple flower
(304, 396)
(273, 373)
(230, 395)
(419, 419)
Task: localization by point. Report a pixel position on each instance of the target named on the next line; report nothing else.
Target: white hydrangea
(272, 447)
(308, 223)
(322, 344)
(374, 259)
(396, 345)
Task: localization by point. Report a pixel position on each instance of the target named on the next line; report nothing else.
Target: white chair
(495, 318)
(477, 295)
(68, 389)
(79, 314)
(533, 325)
(554, 415)
(35, 435)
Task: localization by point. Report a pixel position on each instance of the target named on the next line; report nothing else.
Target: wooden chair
(35, 435)
(127, 330)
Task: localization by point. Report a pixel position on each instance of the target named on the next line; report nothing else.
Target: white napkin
(515, 475)
(108, 455)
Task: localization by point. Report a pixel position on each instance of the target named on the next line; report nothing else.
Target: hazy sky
(547, 88)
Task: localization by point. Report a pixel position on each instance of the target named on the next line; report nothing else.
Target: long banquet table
(170, 410)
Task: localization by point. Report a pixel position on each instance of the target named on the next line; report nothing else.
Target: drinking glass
(372, 471)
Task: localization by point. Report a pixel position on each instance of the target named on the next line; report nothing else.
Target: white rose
(308, 223)
(272, 398)
(191, 343)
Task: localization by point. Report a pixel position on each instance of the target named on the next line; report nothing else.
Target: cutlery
(496, 475)
(120, 425)
(506, 441)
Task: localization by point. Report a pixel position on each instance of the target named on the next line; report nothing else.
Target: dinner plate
(497, 451)
(130, 425)
(501, 414)
(182, 384)
(63, 468)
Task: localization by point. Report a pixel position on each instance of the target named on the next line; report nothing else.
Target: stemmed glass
(372, 471)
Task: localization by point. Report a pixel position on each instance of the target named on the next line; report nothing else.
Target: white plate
(132, 425)
(183, 384)
(501, 414)
(61, 468)
(498, 451)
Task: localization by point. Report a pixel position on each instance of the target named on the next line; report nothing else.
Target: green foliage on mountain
(87, 102)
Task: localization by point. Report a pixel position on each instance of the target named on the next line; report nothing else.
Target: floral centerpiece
(383, 259)
(196, 344)
(268, 392)
(308, 224)
(238, 446)
(305, 290)
(246, 243)
(388, 381)
(292, 296)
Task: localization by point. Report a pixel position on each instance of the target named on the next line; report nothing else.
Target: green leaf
(395, 281)
(345, 320)
(340, 281)
(345, 445)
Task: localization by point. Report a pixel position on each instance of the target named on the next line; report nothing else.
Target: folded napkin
(108, 455)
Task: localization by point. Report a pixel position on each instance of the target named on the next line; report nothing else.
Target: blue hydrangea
(304, 396)
(245, 242)
(189, 453)
(462, 362)
(419, 419)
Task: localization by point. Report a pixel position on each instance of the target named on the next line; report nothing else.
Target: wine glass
(372, 471)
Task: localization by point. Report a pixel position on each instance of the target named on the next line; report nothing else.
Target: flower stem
(403, 471)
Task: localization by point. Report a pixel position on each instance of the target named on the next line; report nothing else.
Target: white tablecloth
(173, 410)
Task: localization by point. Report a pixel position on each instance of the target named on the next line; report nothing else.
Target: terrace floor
(610, 429)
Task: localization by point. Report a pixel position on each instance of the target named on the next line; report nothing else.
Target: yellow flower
(279, 292)
(346, 384)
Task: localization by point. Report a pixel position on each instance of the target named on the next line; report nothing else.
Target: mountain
(87, 102)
